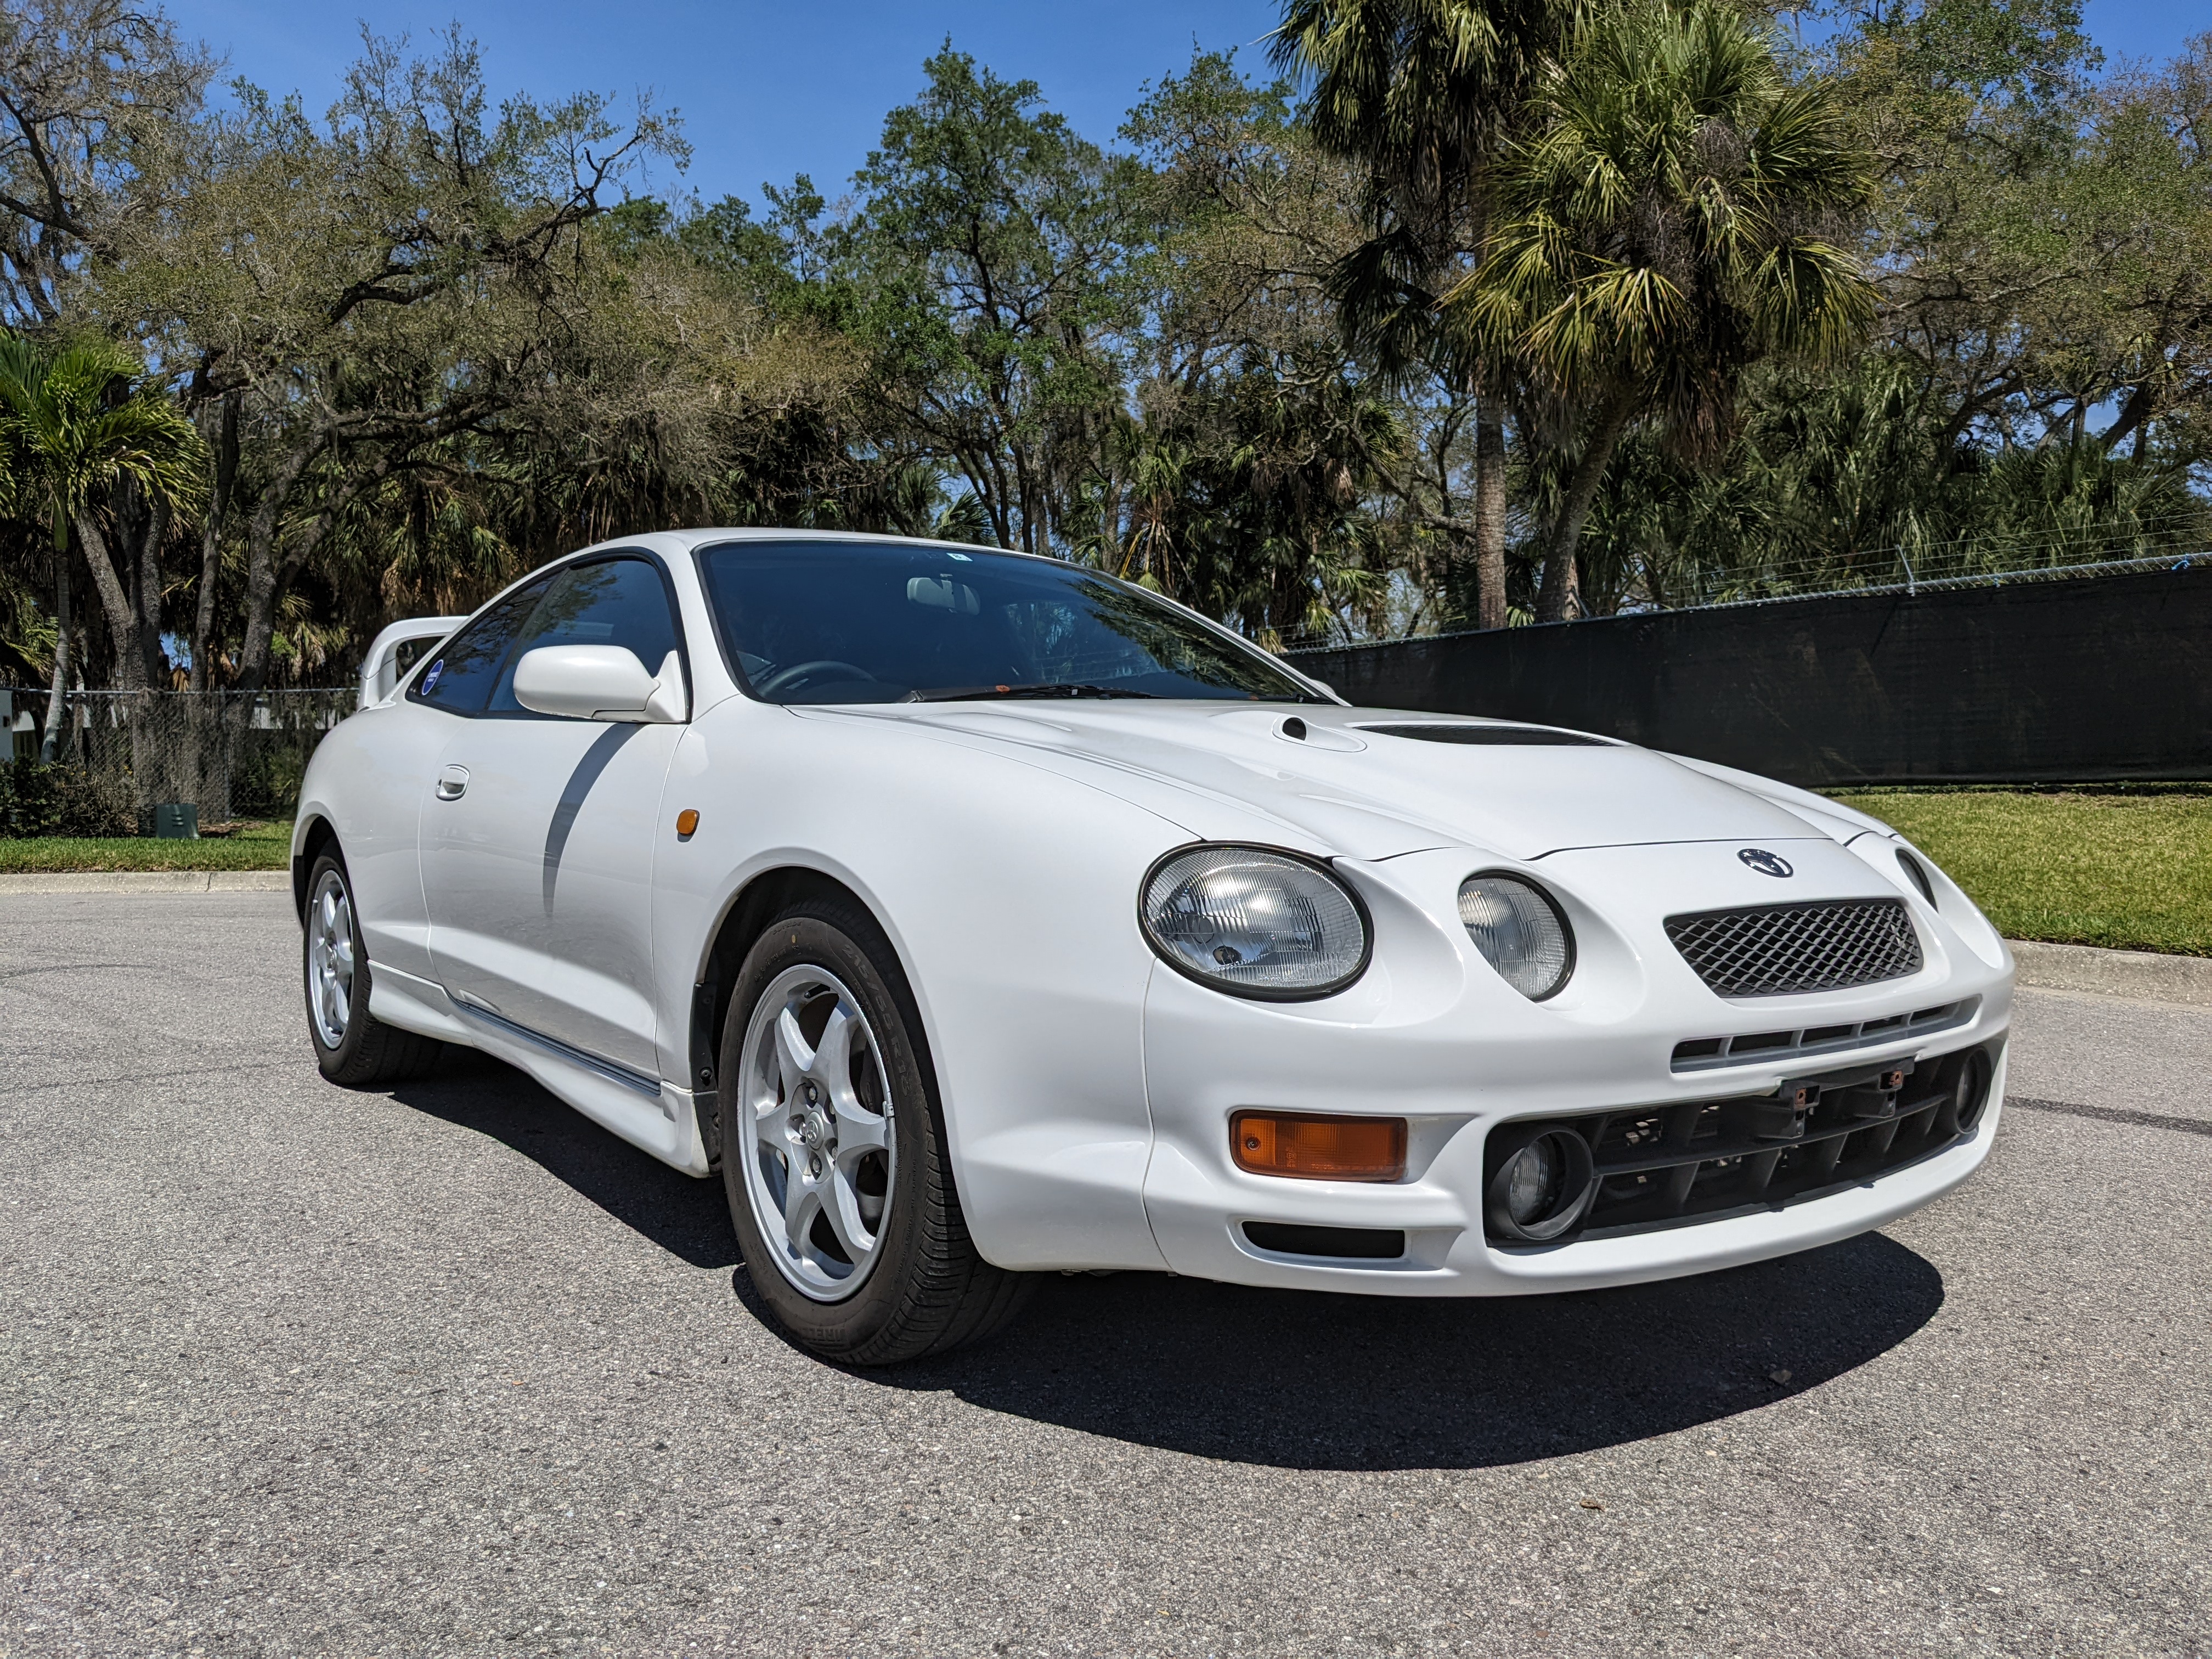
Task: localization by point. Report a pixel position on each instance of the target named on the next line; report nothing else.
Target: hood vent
(1521, 737)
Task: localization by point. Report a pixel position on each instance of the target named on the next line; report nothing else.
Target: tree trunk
(124, 625)
(126, 628)
(1490, 513)
(50, 741)
(263, 579)
(208, 735)
(152, 527)
(1558, 600)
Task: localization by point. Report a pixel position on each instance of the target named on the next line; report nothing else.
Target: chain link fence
(232, 755)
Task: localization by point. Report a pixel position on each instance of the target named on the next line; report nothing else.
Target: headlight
(1254, 922)
(1521, 932)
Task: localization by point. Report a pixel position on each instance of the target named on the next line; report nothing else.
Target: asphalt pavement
(287, 1370)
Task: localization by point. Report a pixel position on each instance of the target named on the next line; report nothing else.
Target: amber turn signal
(1312, 1148)
(687, 821)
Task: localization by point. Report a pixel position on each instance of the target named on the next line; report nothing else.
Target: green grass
(252, 847)
(2127, 870)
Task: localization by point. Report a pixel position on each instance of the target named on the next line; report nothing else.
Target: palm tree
(1675, 215)
(1427, 94)
(75, 425)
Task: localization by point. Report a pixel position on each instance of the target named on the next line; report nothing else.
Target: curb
(149, 881)
(2144, 975)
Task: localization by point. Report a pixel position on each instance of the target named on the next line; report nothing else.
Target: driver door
(538, 839)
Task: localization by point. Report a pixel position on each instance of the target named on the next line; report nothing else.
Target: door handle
(453, 783)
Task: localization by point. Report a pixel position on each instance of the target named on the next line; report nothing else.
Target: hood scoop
(1523, 736)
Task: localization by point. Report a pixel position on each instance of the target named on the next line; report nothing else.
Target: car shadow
(1297, 1379)
(682, 1215)
(1303, 1380)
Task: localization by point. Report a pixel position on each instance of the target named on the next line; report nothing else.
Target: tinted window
(460, 677)
(860, 621)
(607, 601)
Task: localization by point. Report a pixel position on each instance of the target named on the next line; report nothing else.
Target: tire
(855, 1145)
(366, 1052)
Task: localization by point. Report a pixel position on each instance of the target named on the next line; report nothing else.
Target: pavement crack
(147, 1077)
(2188, 1126)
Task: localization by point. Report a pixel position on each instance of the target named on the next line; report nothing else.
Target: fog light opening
(1969, 1093)
(1541, 1183)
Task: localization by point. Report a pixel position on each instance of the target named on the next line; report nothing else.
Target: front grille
(1782, 950)
(1661, 1166)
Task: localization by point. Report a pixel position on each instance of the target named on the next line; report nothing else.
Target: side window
(606, 602)
(460, 676)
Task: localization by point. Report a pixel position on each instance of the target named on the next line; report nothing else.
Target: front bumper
(1434, 1037)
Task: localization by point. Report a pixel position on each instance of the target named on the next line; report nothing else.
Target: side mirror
(599, 683)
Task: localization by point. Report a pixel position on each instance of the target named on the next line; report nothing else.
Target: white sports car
(979, 915)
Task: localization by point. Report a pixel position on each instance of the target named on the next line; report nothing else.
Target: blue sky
(768, 90)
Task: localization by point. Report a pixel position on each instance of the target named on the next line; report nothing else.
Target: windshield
(892, 622)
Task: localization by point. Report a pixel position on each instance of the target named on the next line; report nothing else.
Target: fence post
(1911, 581)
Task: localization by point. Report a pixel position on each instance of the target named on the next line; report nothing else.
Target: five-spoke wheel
(330, 957)
(834, 1151)
(352, 1045)
(816, 1112)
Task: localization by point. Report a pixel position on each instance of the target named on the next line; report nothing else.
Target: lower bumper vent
(1352, 1244)
(1774, 1048)
(1653, 1167)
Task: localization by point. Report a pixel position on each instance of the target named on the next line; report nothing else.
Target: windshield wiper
(1058, 688)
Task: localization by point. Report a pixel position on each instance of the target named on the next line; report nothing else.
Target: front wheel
(352, 1045)
(834, 1154)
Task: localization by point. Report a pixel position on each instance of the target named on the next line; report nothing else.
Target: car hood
(1348, 788)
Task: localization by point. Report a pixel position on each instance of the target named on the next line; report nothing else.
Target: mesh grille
(1780, 950)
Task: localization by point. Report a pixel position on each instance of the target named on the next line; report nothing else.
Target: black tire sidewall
(820, 936)
(336, 1064)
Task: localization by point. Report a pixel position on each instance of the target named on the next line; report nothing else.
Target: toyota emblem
(1767, 863)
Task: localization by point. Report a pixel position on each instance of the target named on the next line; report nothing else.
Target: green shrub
(64, 798)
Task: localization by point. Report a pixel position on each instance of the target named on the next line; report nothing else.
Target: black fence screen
(2107, 680)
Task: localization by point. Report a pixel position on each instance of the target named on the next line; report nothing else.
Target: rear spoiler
(381, 671)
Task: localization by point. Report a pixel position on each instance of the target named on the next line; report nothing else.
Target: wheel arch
(318, 835)
(741, 924)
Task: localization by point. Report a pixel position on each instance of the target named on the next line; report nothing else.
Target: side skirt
(652, 1115)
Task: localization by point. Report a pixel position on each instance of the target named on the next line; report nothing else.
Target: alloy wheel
(817, 1118)
(330, 959)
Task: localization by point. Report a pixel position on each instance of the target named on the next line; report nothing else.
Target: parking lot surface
(287, 1369)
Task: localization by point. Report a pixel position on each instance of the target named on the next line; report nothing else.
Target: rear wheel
(834, 1151)
(352, 1045)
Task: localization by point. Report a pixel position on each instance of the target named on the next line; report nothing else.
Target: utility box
(171, 820)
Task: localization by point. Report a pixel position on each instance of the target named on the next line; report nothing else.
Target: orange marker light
(1312, 1148)
(686, 821)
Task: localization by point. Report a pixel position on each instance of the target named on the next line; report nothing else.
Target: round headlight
(1521, 932)
(1254, 922)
